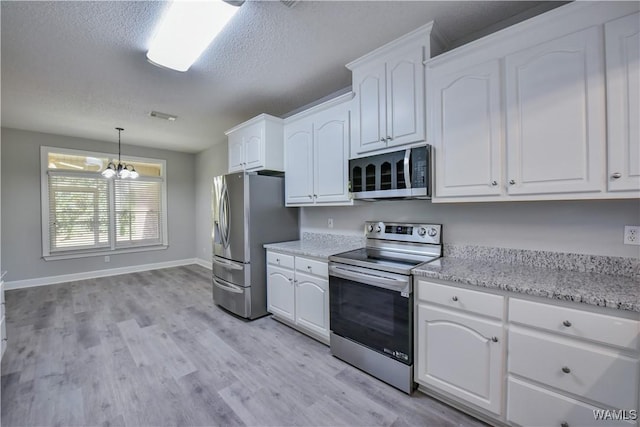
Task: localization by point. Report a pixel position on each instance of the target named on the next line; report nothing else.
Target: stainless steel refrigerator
(248, 211)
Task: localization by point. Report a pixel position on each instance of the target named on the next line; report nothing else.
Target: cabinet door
(458, 355)
(312, 303)
(369, 127)
(556, 116)
(236, 152)
(405, 98)
(331, 151)
(298, 146)
(253, 141)
(280, 292)
(530, 405)
(622, 46)
(466, 129)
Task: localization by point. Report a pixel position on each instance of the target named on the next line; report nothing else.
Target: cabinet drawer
(282, 260)
(529, 405)
(462, 299)
(576, 323)
(585, 370)
(311, 266)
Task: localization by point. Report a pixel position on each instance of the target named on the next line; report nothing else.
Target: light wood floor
(151, 349)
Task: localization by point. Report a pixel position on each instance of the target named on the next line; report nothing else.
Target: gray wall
(21, 211)
(209, 163)
(587, 227)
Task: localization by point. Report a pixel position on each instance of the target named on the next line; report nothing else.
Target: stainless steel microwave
(403, 174)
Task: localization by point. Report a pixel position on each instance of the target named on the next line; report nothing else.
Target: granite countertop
(318, 245)
(594, 288)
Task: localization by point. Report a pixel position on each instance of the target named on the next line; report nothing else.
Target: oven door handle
(396, 285)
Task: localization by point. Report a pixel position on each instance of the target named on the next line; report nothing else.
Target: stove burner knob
(378, 229)
(422, 231)
(370, 228)
(432, 232)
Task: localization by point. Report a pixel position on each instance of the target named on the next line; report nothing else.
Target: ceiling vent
(289, 3)
(164, 116)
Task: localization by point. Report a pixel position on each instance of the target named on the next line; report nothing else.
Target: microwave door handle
(226, 286)
(371, 279)
(407, 172)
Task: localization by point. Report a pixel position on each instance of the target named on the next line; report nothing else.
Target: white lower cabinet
(562, 366)
(460, 352)
(298, 293)
(530, 405)
(280, 291)
(312, 303)
(525, 362)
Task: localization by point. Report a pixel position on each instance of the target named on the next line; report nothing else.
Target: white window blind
(85, 214)
(138, 213)
(78, 212)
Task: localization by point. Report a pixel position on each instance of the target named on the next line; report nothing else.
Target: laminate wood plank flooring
(152, 349)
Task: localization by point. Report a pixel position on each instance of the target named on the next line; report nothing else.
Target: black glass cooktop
(382, 259)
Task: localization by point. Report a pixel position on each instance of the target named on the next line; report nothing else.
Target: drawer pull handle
(277, 259)
(309, 267)
(455, 298)
(494, 339)
(564, 424)
(566, 323)
(566, 369)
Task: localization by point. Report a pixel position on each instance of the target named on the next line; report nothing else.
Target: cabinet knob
(309, 267)
(455, 298)
(564, 424)
(616, 175)
(310, 196)
(389, 138)
(494, 339)
(494, 183)
(566, 369)
(511, 182)
(315, 196)
(278, 260)
(566, 323)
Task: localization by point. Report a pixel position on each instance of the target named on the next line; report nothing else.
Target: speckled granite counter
(318, 245)
(592, 288)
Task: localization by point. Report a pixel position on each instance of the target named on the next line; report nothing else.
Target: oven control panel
(418, 233)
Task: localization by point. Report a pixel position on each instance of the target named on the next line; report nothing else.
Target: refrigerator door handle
(227, 265)
(226, 286)
(224, 216)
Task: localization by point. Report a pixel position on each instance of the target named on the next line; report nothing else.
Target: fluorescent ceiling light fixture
(186, 29)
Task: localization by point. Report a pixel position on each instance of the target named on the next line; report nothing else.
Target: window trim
(47, 254)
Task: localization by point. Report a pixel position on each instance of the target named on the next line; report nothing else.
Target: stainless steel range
(371, 299)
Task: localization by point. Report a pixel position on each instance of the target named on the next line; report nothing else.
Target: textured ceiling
(79, 68)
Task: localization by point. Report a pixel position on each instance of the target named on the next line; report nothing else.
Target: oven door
(373, 308)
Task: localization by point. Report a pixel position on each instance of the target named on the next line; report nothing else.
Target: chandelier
(121, 170)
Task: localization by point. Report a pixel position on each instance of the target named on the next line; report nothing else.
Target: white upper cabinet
(316, 153)
(622, 44)
(467, 139)
(256, 145)
(389, 104)
(556, 116)
(523, 114)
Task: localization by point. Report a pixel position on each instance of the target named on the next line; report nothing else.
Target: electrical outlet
(107, 258)
(330, 223)
(632, 235)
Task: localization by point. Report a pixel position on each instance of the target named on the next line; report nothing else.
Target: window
(85, 214)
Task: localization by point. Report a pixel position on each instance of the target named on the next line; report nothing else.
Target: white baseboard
(51, 280)
(204, 263)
